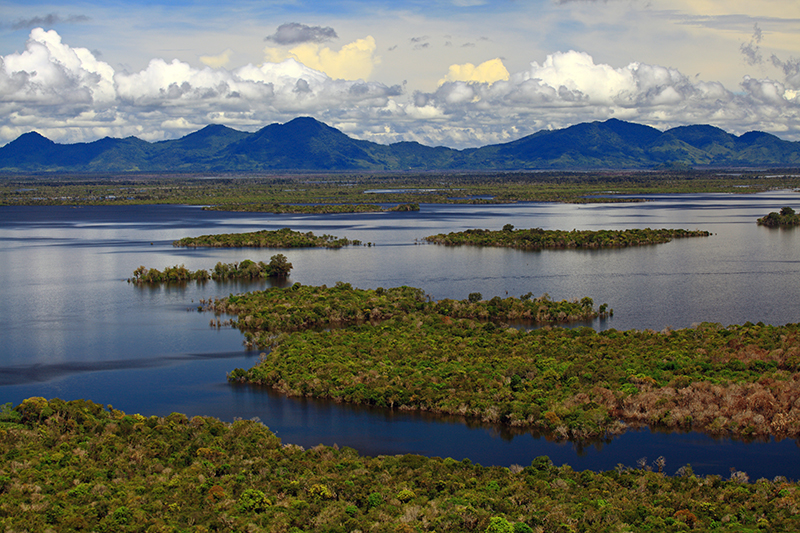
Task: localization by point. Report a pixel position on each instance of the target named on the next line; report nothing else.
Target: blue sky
(459, 73)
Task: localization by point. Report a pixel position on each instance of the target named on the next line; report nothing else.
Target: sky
(457, 73)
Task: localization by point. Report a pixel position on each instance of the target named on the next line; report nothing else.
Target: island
(539, 239)
(278, 267)
(77, 466)
(785, 219)
(397, 349)
(282, 238)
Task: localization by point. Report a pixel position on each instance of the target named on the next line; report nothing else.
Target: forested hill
(307, 144)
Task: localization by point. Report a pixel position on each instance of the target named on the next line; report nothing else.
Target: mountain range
(305, 144)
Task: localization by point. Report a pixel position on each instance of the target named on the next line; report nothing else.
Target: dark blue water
(72, 328)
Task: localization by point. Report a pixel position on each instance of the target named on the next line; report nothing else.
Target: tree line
(278, 267)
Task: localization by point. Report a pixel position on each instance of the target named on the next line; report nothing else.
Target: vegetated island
(76, 466)
(278, 267)
(538, 238)
(786, 218)
(265, 314)
(311, 208)
(394, 349)
(282, 238)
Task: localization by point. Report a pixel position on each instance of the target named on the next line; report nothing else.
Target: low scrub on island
(786, 218)
(278, 267)
(282, 238)
(539, 239)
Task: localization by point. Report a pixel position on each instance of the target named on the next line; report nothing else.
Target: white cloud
(51, 73)
(69, 95)
(570, 87)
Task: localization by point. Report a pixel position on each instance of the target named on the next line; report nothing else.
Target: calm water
(72, 328)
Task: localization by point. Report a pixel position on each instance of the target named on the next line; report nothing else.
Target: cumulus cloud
(296, 33)
(791, 69)
(487, 72)
(569, 87)
(69, 95)
(49, 72)
(352, 61)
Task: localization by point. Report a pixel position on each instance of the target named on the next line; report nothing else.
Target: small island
(278, 267)
(282, 238)
(539, 239)
(785, 219)
(277, 208)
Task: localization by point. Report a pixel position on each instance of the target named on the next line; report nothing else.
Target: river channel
(73, 328)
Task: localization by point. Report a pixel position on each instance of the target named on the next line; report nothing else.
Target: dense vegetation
(278, 267)
(537, 238)
(282, 238)
(400, 188)
(786, 218)
(264, 314)
(575, 383)
(313, 208)
(395, 348)
(75, 466)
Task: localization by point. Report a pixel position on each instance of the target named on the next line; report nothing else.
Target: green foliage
(498, 524)
(406, 495)
(282, 238)
(252, 501)
(395, 348)
(265, 314)
(200, 474)
(538, 239)
(8, 414)
(278, 267)
(786, 218)
(374, 500)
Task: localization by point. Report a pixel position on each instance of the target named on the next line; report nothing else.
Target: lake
(73, 328)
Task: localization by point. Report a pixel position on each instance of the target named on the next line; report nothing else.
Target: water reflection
(72, 327)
